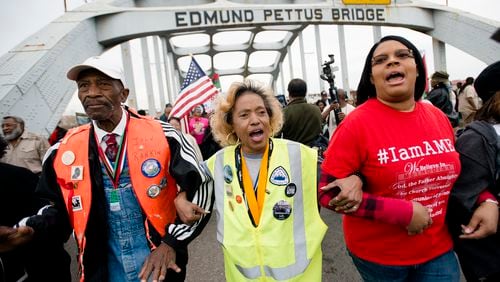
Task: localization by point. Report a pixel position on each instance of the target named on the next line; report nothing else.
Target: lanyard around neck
(114, 170)
(255, 204)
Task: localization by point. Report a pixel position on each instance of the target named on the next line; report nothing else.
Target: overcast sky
(21, 18)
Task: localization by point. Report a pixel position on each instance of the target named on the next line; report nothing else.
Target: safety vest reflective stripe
(301, 261)
(219, 190)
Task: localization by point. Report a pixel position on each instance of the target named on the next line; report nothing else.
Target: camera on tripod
(328, 70)
(328, 76)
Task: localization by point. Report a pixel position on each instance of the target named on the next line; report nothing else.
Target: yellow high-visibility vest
(286, 245)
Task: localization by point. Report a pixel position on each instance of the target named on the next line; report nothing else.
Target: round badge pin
(150, 168)
(239, 199)
(68, 158)
(154, 191)
(228, 174)
(290, 190)
(282, 210)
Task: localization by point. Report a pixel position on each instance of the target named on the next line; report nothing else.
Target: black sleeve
(193, 179)
(184, 166)
(52, 220)
(440, 98)
(476, 174)
(17, 199)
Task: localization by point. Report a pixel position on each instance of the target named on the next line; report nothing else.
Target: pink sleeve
(383, 209)
(387, 210)
(483, 196)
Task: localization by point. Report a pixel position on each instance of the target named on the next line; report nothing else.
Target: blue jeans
(443, 268)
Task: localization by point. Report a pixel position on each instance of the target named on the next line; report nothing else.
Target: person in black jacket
(20, 256)
(473, 206)
(440, 96)
(113, 183)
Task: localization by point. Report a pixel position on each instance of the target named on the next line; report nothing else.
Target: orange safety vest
(145, 141)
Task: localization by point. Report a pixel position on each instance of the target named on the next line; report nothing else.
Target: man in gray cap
(440, 96)
(113, 183)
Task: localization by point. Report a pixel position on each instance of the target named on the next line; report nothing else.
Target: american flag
(196, 89)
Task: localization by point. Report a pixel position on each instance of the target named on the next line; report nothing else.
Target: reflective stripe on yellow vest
(145, 141)
(276, 250)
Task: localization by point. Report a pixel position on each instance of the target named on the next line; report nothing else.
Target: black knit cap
(488, 82)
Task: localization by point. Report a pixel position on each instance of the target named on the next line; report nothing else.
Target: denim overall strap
(128, 246)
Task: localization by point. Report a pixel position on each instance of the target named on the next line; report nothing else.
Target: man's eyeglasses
(401, 54)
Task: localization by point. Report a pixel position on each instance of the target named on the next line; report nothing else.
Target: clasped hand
(11, 238)
(158, 262)
(484, 222)
(350, 195)
(420, 220)
(187, 211)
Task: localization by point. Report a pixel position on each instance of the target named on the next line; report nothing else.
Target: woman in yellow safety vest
(265, 192)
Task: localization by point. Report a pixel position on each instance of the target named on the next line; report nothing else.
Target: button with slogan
(154, 191)
(228, 174)
(68, 157)
(150, 168)
(282, 210)
(290, 190)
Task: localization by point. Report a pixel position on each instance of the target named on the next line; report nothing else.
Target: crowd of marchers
(414, 172)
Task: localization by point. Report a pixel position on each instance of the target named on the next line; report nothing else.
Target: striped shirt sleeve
(192, 179)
